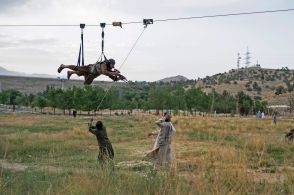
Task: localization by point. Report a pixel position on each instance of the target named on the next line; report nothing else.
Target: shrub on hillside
(280, 90)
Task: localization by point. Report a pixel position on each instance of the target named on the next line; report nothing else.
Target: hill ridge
(272, 85)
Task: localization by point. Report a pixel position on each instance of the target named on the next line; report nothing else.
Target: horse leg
(72, 67)
(89, 79)
(69, 73)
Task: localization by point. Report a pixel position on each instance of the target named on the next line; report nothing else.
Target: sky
(191, 48)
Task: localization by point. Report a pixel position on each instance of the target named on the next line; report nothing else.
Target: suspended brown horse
(92, 71)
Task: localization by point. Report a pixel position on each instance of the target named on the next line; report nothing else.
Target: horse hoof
(68, 75)
(59, 69)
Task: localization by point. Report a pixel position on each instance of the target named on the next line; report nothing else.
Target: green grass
(94, 180)
(201, 135)
(213, 156)
(30, 181)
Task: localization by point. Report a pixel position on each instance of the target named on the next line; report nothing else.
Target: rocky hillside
(272, 85)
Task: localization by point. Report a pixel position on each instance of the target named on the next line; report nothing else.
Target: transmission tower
(247, 58)
(238, 60)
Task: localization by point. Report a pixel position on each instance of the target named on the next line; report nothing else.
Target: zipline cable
(214, 16)
(156, 20)
(224, 15)
(132, 48)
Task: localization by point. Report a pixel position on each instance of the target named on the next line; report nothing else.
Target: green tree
(196, 100)
(62, 99)
(228, 102)
(53, 99)
(260, 106)
(12, 96)
(78, 98)
(41, 102)
(280, 90)
(244, 103)
(157, 99)
(68, 99)
(4, 97)
(178, 99)
(22, 100)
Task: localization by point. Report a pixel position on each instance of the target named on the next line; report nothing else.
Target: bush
(280, 90)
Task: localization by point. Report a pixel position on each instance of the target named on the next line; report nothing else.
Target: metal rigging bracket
(102, 25)
(117, 24)
(146, 22)
(82, 26)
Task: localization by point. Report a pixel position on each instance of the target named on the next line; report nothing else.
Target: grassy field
(42, 154)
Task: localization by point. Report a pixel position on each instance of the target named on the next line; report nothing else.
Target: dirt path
(16, 167)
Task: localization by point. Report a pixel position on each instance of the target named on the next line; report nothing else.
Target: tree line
(173, 97)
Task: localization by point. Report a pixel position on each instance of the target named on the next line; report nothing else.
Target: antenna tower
(247, 58)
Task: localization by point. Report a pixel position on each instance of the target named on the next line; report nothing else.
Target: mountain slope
(6, 72)
(272, 85)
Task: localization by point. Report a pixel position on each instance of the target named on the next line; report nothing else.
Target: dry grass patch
(212, 156)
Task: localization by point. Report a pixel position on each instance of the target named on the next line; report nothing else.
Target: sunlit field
(45, 154)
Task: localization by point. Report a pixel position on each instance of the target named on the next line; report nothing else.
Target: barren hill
(272, 85)
(173, 79)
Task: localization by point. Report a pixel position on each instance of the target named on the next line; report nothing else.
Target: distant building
(257, 65)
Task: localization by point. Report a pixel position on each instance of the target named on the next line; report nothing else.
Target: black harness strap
(102, 35)
(102, 55)
(81, 52)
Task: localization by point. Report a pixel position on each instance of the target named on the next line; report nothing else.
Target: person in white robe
(162, 149)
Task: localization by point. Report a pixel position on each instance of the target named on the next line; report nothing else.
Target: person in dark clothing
(74, 113)
(105, 147)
